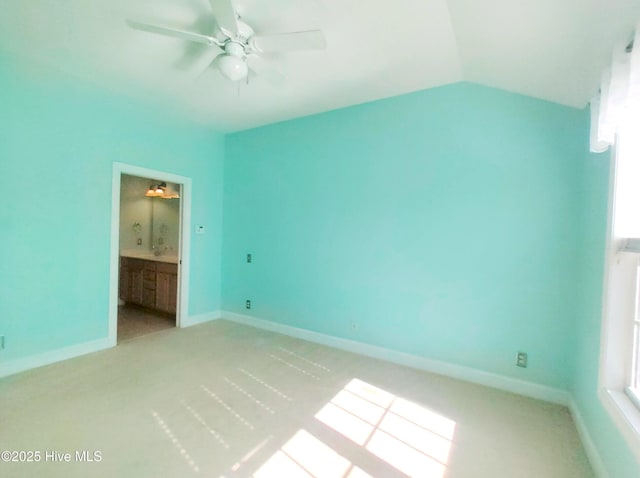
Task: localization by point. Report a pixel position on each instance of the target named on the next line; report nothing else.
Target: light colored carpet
(225, 400)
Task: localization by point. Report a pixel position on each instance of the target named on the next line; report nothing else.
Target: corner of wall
(201, 318)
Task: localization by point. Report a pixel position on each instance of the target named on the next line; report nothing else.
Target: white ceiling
(549, 49)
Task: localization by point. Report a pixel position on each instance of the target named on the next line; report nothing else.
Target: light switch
(200, 229)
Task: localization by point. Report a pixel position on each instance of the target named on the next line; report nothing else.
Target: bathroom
(149, 245)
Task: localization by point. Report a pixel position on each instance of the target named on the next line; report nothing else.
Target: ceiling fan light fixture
(233, 68)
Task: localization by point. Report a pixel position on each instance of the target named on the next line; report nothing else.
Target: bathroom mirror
(148, 225)
(165, 217)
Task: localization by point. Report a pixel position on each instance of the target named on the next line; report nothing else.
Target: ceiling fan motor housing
(233, 48)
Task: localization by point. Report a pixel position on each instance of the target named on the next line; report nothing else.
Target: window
(626, 228)
(615, 120)
(620, 357)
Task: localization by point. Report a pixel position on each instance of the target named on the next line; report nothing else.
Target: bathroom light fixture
(162, 191)
(170, 194)
(154, 190)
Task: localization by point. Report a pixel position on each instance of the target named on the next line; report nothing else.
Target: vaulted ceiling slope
(549, 49)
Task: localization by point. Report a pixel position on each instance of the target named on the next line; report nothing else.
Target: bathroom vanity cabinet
(149, 283)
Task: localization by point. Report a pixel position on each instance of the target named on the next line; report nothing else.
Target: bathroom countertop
(149, 256)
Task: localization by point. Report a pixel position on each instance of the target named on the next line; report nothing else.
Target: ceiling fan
(240, 47)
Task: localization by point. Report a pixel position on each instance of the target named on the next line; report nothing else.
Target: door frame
(184, 182)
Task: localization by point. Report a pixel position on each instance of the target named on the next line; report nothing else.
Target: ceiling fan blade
(262, 68)
(172, 32)
(207, 65)
(307, 40)
(225, 16)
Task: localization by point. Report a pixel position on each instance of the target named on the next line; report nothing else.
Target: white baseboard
(467, 374)
(201, 318)
(33, 361)
(590, 447)
(38, 360)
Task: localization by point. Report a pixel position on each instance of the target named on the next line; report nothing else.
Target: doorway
(149, 266)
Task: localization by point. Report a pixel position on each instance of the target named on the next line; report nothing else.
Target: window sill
(625, 414)
(634, 395)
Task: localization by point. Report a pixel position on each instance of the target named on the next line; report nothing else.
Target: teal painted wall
(460, 224)
(613, 449)
(58, 140)
(442, 222)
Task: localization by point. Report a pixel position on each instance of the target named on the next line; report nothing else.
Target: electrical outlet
(522, 359)
(249, 258)
(139, 241)
(354, 326)
(247, 304)
(1, 342)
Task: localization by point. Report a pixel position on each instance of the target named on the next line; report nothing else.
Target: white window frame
(633, 390)
(619, 311)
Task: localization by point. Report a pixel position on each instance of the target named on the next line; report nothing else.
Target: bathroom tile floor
(135, 322)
